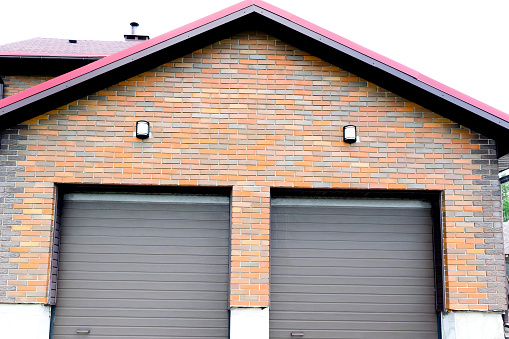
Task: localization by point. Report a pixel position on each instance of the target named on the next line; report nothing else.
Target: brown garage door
(143, 266)
(354, 268)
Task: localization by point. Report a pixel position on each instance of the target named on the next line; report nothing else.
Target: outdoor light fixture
(142, 129)
(350, 134)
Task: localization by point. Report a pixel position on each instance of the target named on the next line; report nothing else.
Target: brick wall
(16, 83)
(254, 113)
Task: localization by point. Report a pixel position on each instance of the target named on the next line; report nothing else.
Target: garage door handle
(83, 331)
(297, 334)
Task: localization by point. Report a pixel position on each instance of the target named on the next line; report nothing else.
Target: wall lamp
(350, 134)
(142, 129)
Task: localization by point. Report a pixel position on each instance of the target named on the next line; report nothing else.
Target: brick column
(250, 246)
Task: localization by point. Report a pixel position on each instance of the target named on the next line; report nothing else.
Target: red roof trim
(335, 37)
(120, 55)
(463, 97)
(227, 11)
(389, 62)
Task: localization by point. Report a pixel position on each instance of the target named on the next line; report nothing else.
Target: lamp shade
(349, 134)
(142, 129)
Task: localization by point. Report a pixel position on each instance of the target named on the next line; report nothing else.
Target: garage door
(352, 268)
(143, 266)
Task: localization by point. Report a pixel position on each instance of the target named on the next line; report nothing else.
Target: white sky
(463, 44)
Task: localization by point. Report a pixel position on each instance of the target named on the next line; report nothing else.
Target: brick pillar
(250, 246)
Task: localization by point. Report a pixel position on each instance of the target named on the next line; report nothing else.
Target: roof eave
(42, 65)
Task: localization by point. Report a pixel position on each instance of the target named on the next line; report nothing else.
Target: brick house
(244, 213)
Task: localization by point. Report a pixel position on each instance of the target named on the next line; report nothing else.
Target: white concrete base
(24, 321)
(472, 325)
(249, 323)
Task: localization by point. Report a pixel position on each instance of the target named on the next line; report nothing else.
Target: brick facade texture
(16, 83)
(253, 113)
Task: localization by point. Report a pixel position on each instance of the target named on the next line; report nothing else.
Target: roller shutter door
(143, 266)
(352, 269)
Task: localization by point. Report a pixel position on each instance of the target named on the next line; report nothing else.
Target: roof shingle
(62, 47)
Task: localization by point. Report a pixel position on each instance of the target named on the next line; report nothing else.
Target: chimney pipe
(133, 36)
(134, 26)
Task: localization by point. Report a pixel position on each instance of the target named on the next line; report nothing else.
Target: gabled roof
(255, 14)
